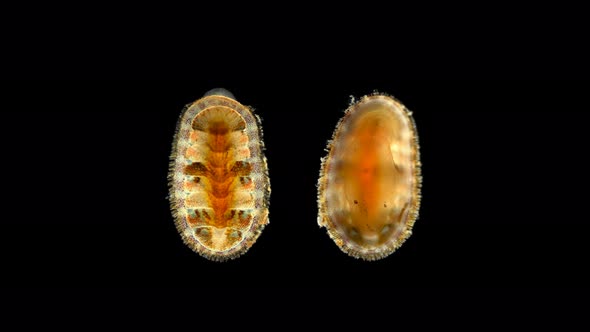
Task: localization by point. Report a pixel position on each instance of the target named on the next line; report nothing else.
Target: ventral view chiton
(219, 184)
(369, 186)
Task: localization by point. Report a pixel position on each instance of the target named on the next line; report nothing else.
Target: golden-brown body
(219, 178)
(370, 181)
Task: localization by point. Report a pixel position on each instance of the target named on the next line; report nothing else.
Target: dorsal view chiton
(219, 185)
(369, 186)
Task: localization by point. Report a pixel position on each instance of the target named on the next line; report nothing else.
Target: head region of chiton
(369, 185)
(219, 185)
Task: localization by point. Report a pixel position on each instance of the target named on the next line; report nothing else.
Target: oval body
(369, 186)
(219, 185)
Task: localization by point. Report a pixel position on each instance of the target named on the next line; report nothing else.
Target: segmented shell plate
(219, 184)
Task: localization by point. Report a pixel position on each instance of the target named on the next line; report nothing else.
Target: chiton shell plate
(219, 184)
(370, 181)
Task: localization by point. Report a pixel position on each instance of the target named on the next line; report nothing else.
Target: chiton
(219, 184)
(369, 185)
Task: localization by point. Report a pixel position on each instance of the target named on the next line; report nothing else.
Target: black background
(85, 184)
